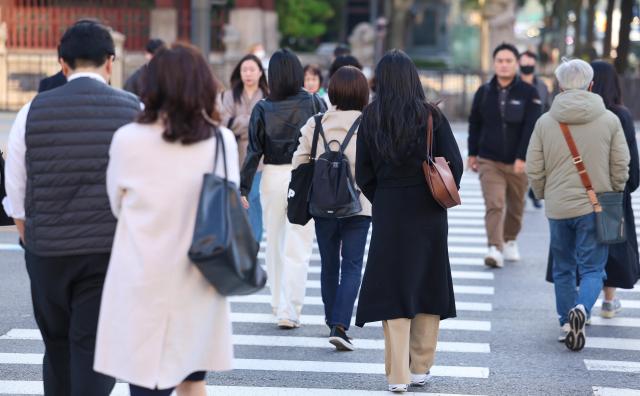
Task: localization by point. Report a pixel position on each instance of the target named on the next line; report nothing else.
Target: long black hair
(606, 84)
(396, 120)
(286, 77)
(237, 86)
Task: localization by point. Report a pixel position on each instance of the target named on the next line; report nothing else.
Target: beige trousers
(504, 198)
(289, 246)
(409, 346)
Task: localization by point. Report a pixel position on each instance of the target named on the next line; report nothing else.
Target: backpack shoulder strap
(352, 131)
(320, 130)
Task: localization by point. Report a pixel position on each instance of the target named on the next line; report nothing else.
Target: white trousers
(289, 246)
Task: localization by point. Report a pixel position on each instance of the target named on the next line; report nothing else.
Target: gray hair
(574, 74)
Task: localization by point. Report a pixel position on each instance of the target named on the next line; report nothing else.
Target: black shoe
(339, 339)
(576, 338)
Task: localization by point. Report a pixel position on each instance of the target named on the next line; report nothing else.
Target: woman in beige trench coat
(162, 325)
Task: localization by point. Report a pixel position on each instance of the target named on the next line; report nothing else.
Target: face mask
(527, 69)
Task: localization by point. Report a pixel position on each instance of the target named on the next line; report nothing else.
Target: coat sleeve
(535, 165)
(301, 155)
(634, 164)
(532, 112)
(619, 159)
(447, 147)
(255, 149)
(365, 171)
(117, 171)
(475, 121)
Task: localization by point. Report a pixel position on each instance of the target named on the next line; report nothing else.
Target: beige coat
(160, 320)
(240, 113)
(600, 140)
(336, 124)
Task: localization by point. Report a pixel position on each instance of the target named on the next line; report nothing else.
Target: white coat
(160, 320)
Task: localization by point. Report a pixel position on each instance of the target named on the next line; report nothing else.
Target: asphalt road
(502, 343)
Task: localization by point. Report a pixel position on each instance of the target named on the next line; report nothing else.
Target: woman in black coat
(623, 266)
(407, 281)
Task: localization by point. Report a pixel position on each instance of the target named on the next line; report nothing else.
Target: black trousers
(66, 293)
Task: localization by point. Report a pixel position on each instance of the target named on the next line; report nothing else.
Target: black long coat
(408, 270)
(623, 266)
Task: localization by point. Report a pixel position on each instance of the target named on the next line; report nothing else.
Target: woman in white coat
(162, 325)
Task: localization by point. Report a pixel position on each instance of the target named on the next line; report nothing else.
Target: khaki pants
(409, 346)
(504, 198)
(289, 246)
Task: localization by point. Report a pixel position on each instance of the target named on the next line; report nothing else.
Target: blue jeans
(574, 246)
(255, 209)
(340, 280)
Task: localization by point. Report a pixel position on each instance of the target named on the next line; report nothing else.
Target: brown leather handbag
(438, 174)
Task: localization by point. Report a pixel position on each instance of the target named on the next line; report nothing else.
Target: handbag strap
(582, 170)
(430, 138)
(220, 148)
(316, 133)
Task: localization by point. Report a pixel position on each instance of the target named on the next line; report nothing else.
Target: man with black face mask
(528, 62)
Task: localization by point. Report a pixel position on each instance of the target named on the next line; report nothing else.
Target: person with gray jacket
(552, 174)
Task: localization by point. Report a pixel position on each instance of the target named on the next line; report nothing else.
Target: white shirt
(15, 171)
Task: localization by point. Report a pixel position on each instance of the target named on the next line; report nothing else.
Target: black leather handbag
(223, 246)
(299, 191)
(4, 219)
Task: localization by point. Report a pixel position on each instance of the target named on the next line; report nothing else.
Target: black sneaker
(339, 339)
(576, 336)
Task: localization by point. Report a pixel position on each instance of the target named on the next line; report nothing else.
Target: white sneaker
(565, 330)
(420, 379)
(493, 258)
(398, 388)
(511, 252)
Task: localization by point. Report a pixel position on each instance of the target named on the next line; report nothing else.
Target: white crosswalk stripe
(461, 338)
(608, 391)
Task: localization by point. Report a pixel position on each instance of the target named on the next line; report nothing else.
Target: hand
(245, 202)
(519, 166)
(472, 163)
(20, 227)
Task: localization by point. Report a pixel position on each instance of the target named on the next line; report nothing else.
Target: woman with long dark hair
(274, 129)
(407, 281)
(161, 323)
(248, 87)
(623, 266)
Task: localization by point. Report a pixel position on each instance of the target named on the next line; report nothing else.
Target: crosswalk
(263, 350)
(269, 361)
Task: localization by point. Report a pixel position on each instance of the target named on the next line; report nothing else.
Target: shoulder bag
(607, 206)
(438, 174)
(223, 246)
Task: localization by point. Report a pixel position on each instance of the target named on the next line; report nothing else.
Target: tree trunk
(622, 58)
(591, 22)
(606, 45)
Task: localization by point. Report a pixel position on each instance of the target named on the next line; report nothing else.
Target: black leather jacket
(274, 130)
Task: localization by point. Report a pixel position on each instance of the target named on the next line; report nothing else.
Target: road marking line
(605, 391)
(458, 289)
(618, 322)
(626, 304)
(624, 344)
(612, 365)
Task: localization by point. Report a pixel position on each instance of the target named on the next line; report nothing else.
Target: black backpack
(333, 190)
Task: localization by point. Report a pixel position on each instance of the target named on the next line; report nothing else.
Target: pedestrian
(622, 268)
(552, 172)
(338, 62)
(528, 61)
(313, 80)
(162, 324)
(274, 129)
(248, 87)
(407, 280)
(340, 237)
(503, 114)
(134, 83)
(56, 193)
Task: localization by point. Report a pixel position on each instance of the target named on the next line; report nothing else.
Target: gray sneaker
(610, 309)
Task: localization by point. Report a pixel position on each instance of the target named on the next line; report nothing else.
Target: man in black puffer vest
(56, 193)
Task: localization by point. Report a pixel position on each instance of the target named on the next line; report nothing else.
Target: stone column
(117, 74)
(4, 76)
(256, 22)
(164, 21)
(498, 22)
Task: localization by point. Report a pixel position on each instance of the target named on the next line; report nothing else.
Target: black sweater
(498, 138)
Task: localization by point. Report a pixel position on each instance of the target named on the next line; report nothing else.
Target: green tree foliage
(303, 19)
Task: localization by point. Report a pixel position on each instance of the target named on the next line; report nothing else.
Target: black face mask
(527, 69)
